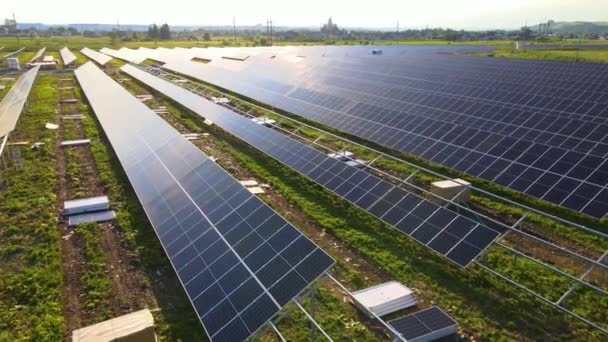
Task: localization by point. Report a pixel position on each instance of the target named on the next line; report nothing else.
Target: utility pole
(234, 28)
(16, 31)
(270, 32)
(397, 26)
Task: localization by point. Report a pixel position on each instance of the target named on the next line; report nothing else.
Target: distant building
(330, 29)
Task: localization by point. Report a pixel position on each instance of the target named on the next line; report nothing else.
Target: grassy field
(78, 42)
(31, 285)
(598, 56)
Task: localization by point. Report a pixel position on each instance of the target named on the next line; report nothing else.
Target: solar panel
(238, 261)
(99, 216)
(125, 54)
(14, 53)
(38, 55)
(13, 102)
(540, 131)
(450, 234)
(98, 57)
(67, 56)
(426, 325)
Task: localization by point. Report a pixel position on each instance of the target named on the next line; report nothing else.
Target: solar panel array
(13, 102)
(423, 324)
(538, 127)
(448, 233)
(98, 57)
(238, 261)
(67, 56)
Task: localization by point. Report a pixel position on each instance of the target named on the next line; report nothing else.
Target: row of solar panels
(238, 260)
(454, 236)
(13, 102)
(581, 77)
(527, 159)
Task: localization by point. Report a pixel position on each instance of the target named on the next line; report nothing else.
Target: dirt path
(71, 245)
(130, 290)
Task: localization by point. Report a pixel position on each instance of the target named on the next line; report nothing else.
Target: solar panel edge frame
(352, 203)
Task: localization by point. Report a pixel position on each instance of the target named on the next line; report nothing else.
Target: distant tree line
(162, 33)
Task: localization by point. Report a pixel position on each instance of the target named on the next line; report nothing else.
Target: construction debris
(385, 298)
(73, 117)
(76, 142)
(194, 136)
(264, 121)
(137, 326)
(144, 97)
(100, 216)
(69, 101)
(35, 146)
(256, 190)
(86, 205)
(51, 126)
(222, 100)
(342, 155)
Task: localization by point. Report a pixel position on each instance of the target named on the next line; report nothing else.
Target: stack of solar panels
(385, 298)
(426, 325)
(84, 210)
(238, 261)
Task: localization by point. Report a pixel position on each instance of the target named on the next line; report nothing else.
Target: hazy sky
(360, 13)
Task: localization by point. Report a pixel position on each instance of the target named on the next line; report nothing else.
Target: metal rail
(538, 296)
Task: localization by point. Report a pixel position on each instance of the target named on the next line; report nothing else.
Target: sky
(458, 14)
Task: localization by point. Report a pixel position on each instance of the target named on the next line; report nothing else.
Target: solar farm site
(289, 193)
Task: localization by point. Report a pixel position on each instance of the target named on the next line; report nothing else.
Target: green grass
(598, 55)
(94, 279)
(78, 42)
(31, 285)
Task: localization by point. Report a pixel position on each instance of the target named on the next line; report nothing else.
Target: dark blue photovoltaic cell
(412, 215)
(238, 261)
(423, 322)
(538, 127)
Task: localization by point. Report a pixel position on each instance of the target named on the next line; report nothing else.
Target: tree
(165, 32)
(153, 32)
(73, 31)
(207, 36)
